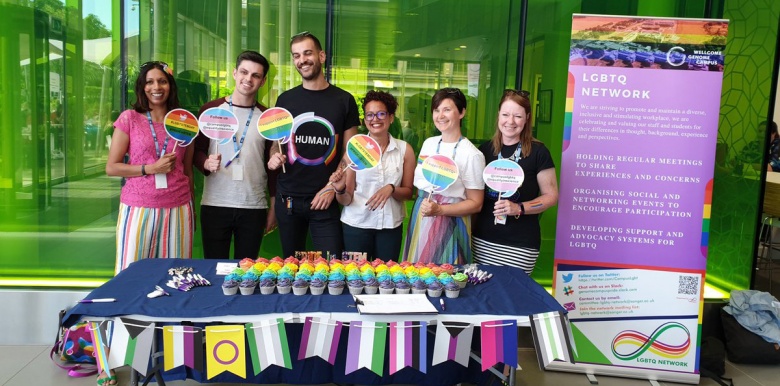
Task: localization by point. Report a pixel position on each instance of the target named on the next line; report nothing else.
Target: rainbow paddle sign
(181, 125)
(363, 152)
(440, 171)
(504, 176)
(218, 124)
(275, 124)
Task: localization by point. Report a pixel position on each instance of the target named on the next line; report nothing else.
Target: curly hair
(381, 96)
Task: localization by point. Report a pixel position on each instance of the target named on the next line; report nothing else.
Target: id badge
(161, 181)
(501, 219)
(238, 171)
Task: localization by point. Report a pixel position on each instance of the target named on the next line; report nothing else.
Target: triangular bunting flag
(366, 347)
(131, 344)
(183, 345)
(225, 350)
(453, 343)
(99, 332)
(408, 346)
(320, 338)
(268, 344)
(551, 338)
(499, 343)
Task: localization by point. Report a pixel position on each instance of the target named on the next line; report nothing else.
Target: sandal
(108, 380)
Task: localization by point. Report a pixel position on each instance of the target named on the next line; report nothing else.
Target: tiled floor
(31, 366)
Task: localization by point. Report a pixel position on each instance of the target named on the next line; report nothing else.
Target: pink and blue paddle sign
(363, 152)
(218, 124)
(181, 125)
(275, 124)
(440, 171)
(503, 175)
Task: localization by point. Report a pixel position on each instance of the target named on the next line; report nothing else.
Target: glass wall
(68, 66)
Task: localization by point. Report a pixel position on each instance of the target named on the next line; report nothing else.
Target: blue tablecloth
(510, 294)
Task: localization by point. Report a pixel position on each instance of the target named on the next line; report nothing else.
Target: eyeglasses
(380, 115)
(165, 67)
(522, 93)
(304, 34)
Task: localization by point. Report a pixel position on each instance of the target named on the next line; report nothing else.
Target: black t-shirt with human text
(317, 142)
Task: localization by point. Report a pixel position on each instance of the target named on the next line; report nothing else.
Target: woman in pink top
(155, 210)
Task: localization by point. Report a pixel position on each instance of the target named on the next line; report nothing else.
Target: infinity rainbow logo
(629, 345)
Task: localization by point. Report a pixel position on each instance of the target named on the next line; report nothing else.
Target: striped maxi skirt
(143, 233)
(437, 239)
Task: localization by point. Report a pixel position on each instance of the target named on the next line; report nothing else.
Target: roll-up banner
(641, 125)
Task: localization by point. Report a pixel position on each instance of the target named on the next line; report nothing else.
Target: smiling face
(511, 121)
(446, 116)
(156, 88)
(307, 58)
(377, 127)
(249, 77)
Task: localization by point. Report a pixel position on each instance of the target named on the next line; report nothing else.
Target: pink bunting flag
(499, 343)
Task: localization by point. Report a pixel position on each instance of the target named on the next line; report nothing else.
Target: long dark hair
(141, 104)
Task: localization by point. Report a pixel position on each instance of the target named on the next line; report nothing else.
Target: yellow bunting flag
(225, 350)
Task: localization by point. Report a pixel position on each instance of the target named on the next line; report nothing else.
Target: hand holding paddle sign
(182, 126)
(505, 177)
(441, 172)
(275, 124)
(220, 125)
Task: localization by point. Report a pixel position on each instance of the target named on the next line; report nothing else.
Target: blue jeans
(384, 244)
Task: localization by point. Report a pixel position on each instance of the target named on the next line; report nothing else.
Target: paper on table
(226, 268)
(394, 304)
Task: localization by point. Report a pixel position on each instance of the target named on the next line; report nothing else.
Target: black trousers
(220, 226)
(299, 220)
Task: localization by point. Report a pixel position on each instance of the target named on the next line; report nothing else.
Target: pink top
(140, 191)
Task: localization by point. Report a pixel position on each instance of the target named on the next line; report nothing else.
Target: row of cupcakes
(376, 264)
(336, 275)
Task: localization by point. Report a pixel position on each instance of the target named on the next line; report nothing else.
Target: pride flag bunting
(268, 344)
(366, 347)
(225, 350)
(183, 345)
(551, 338)
(453, 343)
(131, 344)
(408, 346)
(320, 338)
(99, 333)
(499, 343)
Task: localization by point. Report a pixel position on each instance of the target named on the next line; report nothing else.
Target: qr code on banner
(688, 285)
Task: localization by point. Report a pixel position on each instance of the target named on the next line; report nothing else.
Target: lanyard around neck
(237, 146)
(154, 137)
(516, 156)
(454, 150)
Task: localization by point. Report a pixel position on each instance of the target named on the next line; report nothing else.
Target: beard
(316, 70)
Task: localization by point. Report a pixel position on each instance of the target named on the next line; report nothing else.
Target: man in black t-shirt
(326, 117)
